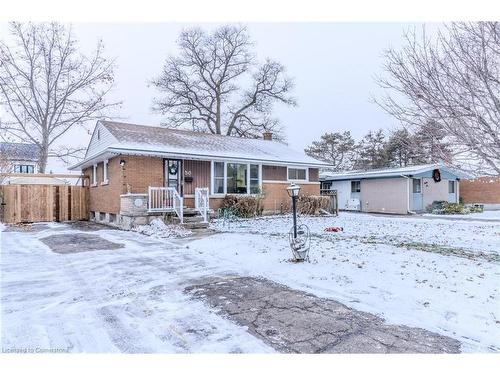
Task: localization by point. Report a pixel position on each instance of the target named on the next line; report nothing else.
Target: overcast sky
(333, 64)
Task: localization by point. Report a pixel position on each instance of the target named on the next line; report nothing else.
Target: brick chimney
(268, 136)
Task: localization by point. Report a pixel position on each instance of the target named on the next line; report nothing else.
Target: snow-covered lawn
(485, 215)
(392, 266)
(441, 275)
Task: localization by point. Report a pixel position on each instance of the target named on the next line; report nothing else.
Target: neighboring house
(397, 190)
(483, 190)
(19, 157)
(134, 170)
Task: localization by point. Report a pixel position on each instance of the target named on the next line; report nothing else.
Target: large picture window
(236, 178)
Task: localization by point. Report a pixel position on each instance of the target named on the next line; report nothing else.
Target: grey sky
(333, 64)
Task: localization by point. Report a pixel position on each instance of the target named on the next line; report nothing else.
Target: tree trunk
(44, 156)
(218, 115)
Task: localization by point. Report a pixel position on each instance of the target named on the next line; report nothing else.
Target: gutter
(180, 155)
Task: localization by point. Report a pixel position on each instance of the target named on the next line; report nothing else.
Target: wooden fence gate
(35, 203)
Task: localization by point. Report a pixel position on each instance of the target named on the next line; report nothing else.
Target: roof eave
(127, 151)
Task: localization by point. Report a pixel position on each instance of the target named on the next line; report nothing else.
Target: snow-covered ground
(131, 299)
(485, 215)
(125, 300)
(372, 266)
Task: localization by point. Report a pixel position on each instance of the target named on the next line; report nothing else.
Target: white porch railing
(165, 199)
(201, 202)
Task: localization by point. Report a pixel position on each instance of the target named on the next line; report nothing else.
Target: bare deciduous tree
(451, 80)
(203, 86)
(47, 87)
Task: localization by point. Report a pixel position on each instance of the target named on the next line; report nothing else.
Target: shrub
(312, 204)
(436, 207)
(243, 206)
(454, 208)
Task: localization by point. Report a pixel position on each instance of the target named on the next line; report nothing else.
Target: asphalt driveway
(87, 288)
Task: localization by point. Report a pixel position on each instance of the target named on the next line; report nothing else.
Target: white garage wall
(343, 192)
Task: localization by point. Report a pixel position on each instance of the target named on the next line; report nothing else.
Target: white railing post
(201, 202)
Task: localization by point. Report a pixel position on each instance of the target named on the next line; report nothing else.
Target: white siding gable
(101, 138)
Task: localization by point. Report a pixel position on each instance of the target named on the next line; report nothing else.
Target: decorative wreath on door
(436, 175)
(172, 169)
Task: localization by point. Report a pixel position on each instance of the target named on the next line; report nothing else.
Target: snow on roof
(154, 139)
(19, 151)
(386, 172)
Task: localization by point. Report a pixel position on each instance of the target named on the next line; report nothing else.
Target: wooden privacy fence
(35, 203)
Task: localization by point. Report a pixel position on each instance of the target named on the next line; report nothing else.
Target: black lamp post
(293, 192)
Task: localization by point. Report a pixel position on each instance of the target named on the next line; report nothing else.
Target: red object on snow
(334, 229)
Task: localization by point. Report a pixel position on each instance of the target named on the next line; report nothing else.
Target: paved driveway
(85, 288)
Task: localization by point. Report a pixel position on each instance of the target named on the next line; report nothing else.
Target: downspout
(408, 195)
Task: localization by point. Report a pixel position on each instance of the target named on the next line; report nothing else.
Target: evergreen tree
(338, 149)
(400, 149)
(372, 151)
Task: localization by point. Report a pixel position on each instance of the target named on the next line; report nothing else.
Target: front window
(451, 187)
(254, 179)
(355, 186)
(218, 178)
(24, 168)
(297, 174)
(417, 185)
(237, 178)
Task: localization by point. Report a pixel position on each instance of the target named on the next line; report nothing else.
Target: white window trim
(355, 192)
(94, 175)
(297, 180)
(421, 185)
(105, 179)
(212, 177)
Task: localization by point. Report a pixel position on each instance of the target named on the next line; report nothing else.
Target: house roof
(20, 151)
(386, 172)
(125, 138)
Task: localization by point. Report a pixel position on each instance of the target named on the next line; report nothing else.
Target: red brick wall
(105, 198)
(140, 172)
(276, 194)
(480, 190)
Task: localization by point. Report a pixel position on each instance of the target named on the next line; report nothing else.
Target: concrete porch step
(195, 225)
(189, 211)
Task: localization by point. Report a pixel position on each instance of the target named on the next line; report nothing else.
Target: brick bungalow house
(135, 172)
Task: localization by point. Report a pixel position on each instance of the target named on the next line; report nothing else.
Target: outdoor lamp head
(293, 190)
(122, 163)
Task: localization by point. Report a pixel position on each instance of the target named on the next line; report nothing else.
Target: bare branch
(47, 87)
